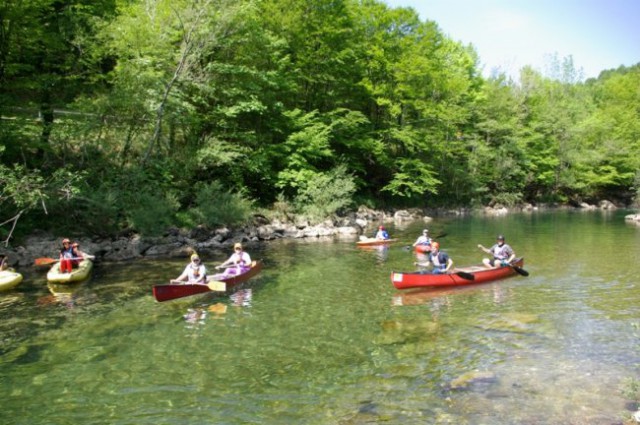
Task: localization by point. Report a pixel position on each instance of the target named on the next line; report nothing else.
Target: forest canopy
(131, 114)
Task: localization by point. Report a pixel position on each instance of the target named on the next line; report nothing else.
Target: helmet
(435, 245)
(500, 237)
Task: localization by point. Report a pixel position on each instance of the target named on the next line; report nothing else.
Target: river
(323, 337)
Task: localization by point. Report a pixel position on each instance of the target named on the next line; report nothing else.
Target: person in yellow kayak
(68, 257)
(4, 263)
(80, 255)
(194, 273)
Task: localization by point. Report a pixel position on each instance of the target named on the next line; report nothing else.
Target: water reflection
(199, 316)
(381, 251)
(242, 297)
(498, 294)
(63, 294)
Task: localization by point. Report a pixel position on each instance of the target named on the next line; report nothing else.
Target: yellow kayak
(9, 279)
(78, 274)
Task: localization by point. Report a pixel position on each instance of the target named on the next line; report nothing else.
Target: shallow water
(322, 337)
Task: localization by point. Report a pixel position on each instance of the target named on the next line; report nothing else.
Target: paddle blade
(520, 271)
(217, 286)
(465, 275)
(44, 261)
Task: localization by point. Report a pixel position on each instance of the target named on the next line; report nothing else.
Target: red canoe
(460, 277)
(219, 285)
(375, 242)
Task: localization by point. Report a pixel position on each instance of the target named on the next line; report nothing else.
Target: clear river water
(321, 336)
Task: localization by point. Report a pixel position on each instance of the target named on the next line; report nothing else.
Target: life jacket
(67, 253)
(442, 260)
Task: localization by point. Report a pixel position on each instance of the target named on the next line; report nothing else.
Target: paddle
(46, 261)
(216, 285)
(440, 236)
(465, 275)
(519, 270)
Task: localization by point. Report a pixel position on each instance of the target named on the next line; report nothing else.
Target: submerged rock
(468, 379)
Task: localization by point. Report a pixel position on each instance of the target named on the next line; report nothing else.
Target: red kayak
(375, 242)
(422, 249)
(460, 277)
(216, 284)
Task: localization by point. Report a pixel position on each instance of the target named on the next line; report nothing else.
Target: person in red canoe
(382, 233)
(440, 260)
(238, 263)
(194, 273)
(502, 253)
(424, 241)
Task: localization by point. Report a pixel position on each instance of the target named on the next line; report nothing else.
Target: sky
(509, 34)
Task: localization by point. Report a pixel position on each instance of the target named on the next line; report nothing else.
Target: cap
(194, 257)
(425, 231)
(500, 237)
(381, 227)
(237, 245)
(66, 240)
(435, 245)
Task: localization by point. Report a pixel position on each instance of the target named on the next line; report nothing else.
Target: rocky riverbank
(180, 243)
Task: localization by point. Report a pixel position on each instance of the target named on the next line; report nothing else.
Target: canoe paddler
(239, 262)
(194, 273)
(502, 253)
(440, 260)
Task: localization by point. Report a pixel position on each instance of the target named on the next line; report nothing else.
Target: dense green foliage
(143, 114)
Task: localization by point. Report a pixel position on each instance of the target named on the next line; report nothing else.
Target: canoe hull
(172, 291)
(375, 242)
(78, 274)
(9, 280)
(406, 280)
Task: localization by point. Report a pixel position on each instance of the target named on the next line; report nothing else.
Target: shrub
(216, 206)
(326, 193)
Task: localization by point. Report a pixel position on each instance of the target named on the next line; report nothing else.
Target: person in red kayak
(502, 253)
(424, 241)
